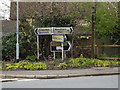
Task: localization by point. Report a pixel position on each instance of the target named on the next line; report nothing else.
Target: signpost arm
(38, 47)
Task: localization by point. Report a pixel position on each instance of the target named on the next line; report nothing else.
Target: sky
(4, 9)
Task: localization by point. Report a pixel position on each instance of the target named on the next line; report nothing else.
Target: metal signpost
(58, 36)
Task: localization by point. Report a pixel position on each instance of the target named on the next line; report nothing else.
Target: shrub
(31, 58)
(62, 65)
(26, 66)
(11, 66)
(74, 62)
(98, 63)
(8, 46)
(35, 66)
(106, 63)
(86, 62)
(77, 62)
(115, 63)
(40, 65)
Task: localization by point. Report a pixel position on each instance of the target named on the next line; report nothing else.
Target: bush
(86, 62)
(11, 66)
(8, 46)
(74, 62)
(31, 58)
(62, 65)
(77, 62)
(26, 66)
(97, 62)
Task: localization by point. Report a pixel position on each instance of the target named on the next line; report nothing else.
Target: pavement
(49, 74)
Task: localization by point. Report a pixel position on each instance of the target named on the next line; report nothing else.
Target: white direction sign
(43, 31)
(53, 30)
(63, 30)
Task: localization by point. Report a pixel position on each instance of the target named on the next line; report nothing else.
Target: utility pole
(17, 33)
(93, 30)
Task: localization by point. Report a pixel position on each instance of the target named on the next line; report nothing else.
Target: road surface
(77, 82)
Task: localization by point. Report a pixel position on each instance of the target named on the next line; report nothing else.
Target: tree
(107, 21)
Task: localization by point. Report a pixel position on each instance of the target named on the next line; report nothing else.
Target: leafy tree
(107, 21)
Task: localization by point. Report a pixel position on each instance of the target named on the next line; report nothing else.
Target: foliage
(107, 25)
(62, 65)
(31, 58)
(115, 63)
(8, 46)
(98, 63)
(71, 63)
(104, 55)
(27, 43)
(86, 62)
(80, 62)
(11, 66)
(74, 62)
(35, 66)
(26, 65)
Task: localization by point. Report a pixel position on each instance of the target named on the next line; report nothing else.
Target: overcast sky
(4, 8)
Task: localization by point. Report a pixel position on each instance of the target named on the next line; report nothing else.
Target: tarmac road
(109, 81)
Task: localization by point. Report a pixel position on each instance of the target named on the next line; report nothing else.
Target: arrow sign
(57, 46)
(63, 30)
(43, 30)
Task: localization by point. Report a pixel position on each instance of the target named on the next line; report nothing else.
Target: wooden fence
(98, 51)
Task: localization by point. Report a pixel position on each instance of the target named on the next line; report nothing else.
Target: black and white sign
(57, 46)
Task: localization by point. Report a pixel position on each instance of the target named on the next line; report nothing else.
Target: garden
(71, 63)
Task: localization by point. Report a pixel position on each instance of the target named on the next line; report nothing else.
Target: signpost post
(62, 51)
(54, 55)
(38, 47)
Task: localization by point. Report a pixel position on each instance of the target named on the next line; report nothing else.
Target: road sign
(63, 30)
(43, 31)
(57, 46)
(59, 38)
(53, 30)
